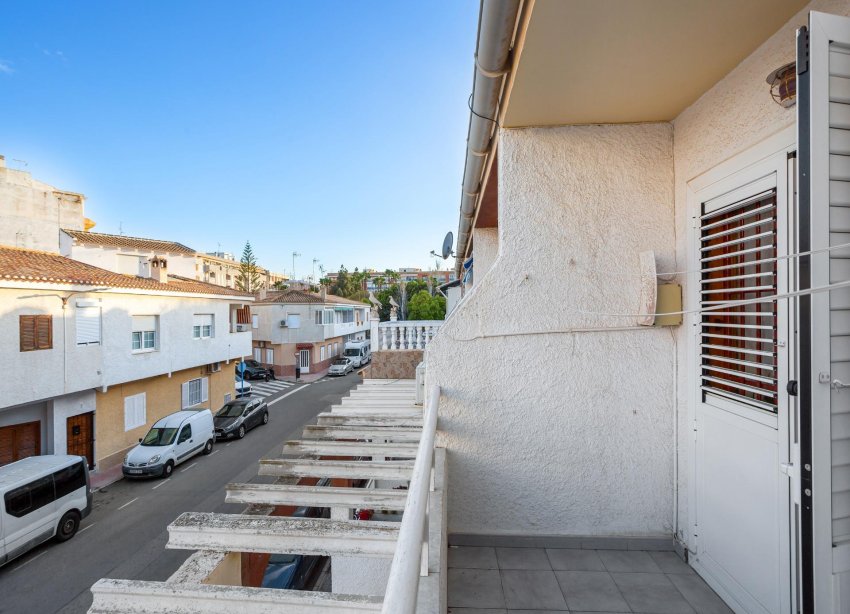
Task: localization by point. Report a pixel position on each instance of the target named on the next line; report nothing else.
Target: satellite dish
(447, 245)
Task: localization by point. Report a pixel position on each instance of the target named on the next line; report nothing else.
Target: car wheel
(168, 469)
(68, 526)
(266, 377)
(241, 433)
(266, 418)
(208, 447)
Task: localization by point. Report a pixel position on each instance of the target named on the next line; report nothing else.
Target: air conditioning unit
(214, 367)
(283, 324)
(243, 328)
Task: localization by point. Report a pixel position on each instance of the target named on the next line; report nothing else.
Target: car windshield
(352, 352)
(231, 410)
(341, 362)
(252, 363)
(159, 437)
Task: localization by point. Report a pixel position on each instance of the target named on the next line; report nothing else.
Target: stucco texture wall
(548, 430)
(485, 249)
(734, 115)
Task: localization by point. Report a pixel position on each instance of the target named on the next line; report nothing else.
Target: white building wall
(734, 115)
(485, 250)
(68, 368)
(114, 259)
(32, 212)
(550, 431)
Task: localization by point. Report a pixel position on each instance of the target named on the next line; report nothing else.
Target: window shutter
(135, 411)
(88, 325)
(44, 332)
(27, 332)
(205, 389)
(258, 354)
(143, 323)
(184, 394)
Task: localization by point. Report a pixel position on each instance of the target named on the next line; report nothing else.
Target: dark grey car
(239, 416)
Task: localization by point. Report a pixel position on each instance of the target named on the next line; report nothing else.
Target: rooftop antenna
(294, 256)
(120, 229)
(313, 276)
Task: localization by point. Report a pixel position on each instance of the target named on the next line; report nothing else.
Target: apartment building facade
(92, 358)
(33, 212)
(307, 329)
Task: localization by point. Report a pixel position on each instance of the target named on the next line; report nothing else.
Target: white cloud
(6, 67)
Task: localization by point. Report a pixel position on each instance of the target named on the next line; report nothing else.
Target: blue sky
(335, 129)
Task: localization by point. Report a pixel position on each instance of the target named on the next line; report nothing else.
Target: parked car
(243, 388)
(296, 571)
(341, 366)
(172, 440)
(253, 370)
(238, 417)
(43, 497)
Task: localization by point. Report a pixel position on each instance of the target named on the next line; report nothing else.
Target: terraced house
(93, 358)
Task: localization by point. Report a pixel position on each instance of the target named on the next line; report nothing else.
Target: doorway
(80, 436)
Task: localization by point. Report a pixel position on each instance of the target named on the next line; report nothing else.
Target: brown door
(81, 436)
(19, 441)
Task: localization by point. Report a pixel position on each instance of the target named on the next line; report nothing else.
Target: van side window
(69, 479)
(29, 498)
(185, 434)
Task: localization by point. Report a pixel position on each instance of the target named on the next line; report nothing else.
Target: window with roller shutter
(88, 324)
(36, 332)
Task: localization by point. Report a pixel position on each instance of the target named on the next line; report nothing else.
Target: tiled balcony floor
(485, 580)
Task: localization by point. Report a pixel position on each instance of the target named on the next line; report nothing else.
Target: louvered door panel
(738, 263)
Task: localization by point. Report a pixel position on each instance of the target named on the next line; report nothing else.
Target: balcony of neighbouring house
(398, 347)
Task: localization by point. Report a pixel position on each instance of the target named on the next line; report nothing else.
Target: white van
(171, 440)
(359, 352)
(42, 497)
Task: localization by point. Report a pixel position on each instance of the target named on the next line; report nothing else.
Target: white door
(270, 356)
(304, 360)
(741, 519)
(823, 83)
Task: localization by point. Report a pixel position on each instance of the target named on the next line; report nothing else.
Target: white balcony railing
(411, 553)
(407, 335)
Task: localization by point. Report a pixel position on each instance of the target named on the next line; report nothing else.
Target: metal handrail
(403, 583)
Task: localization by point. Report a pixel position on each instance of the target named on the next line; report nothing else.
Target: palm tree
(379, 282)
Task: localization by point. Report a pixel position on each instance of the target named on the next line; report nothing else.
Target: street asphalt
(125, 535)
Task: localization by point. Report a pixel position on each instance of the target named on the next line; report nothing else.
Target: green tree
(423, 306)
(248, 278)
(384, 296)
(279, 285)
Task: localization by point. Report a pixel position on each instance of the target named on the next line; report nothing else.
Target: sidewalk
(100, 479)
(306, 378)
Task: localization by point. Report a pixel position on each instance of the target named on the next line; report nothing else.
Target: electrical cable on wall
(709, 310)
(727, 266)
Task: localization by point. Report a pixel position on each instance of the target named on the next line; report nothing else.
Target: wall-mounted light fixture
(783, 85)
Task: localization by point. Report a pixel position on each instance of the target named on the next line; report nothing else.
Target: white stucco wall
(68, 368)
(734, 115)
(114, 259)
(485, 249)
(554, 432)
(32, 212)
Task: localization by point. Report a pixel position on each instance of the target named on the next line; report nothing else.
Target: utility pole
(294, 256)
(313, 277)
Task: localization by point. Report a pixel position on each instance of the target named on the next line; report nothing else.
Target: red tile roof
(25, 265)
(107, 240)
(291, 297)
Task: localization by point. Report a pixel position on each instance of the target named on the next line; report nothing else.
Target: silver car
(341, 366)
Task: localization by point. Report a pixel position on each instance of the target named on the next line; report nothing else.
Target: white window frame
(321, 353)
(257, 354)
(148, 340)
(255, 321)
(88, 323)
(269, 356)
(135, 411)
(194, 392)
(203, 326)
